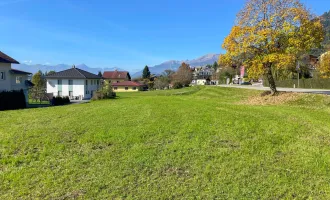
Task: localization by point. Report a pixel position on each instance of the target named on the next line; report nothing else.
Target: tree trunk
(270, 79)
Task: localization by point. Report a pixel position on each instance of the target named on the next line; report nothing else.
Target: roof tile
(128, 83)
(74, 73)
(116, 75)
(7, 59)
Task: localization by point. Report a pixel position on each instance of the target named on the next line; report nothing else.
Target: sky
(127, 34)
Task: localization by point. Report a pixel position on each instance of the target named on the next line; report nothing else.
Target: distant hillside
(175, 64)
(325, 18)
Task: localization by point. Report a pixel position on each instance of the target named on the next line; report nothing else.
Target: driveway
(260, 87)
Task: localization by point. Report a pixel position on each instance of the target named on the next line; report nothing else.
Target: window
(59, 93)
(98, 82)
(19, 79)
(86, 83)
(70, 82)
(115, 88)
(2, 75)
(134, 88)
(126, 88)
(86, 91)
(70, 94)
(59, 82)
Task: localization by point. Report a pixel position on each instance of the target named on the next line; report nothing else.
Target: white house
(74, 83)
(12, 79)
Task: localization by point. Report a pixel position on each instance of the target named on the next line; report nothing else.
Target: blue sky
(127, 34)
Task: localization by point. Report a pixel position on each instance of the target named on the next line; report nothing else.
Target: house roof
(7, 59)
(73, 73)
(15, 71)
(128, 83)
(116, 74)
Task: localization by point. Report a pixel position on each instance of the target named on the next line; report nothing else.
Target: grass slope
(191, 143)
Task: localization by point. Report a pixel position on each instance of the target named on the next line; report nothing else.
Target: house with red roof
(12, 79)
(128, 86)
(116, 76)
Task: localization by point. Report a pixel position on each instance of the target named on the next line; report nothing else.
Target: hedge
(58, 101)
(311, 83)
(12, 100)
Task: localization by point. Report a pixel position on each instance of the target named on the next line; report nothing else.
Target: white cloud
(28, 62)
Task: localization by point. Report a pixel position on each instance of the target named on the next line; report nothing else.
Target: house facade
(12, 79)
(116, 76)
(128, 86)
(74, 83)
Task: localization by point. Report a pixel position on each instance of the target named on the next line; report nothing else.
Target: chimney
(73, 66)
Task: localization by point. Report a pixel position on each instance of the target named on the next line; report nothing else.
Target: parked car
(246, 83)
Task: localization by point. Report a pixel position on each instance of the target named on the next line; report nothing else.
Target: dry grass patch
(280, 98)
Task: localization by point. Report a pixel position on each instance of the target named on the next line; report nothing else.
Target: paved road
(259, 87)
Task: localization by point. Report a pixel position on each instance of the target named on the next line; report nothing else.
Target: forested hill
(325, 18)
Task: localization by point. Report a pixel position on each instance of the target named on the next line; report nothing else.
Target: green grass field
(195, 143)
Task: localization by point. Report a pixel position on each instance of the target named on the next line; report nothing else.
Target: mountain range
(325, 19)
(157, 69)
(46, 68)
(175, 64)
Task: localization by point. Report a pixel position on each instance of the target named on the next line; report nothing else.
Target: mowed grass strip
(190, 143)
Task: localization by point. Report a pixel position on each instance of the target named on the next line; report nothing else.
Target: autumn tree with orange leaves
(271, 34)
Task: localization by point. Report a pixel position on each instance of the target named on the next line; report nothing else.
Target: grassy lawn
(198, 142)
(33, 102)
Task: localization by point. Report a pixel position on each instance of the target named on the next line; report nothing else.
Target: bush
(177, 85)
(58, 101)
(12, 100)
(105, 92)
(101, 95)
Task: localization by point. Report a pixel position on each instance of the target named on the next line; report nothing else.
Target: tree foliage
(183, 75)
(324, 66)
(50, 72)
(215, 66)
(105, 92)
(146, 72)
(38, 91)
(271, 34)
(162, 82)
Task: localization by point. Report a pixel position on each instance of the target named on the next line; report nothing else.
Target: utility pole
(298, 71)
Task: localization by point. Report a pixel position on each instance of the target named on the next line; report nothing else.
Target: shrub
(177, 85)
(105, 92)
(100, 95)
(12, 100)
(58, 101)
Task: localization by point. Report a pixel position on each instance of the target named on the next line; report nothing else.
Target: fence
(311, 83)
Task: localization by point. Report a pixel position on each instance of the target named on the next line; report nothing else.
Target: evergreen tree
(215, 66)
(100, 74)
(146, 72)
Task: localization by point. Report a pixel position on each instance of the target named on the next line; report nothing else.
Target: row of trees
(182, 77)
